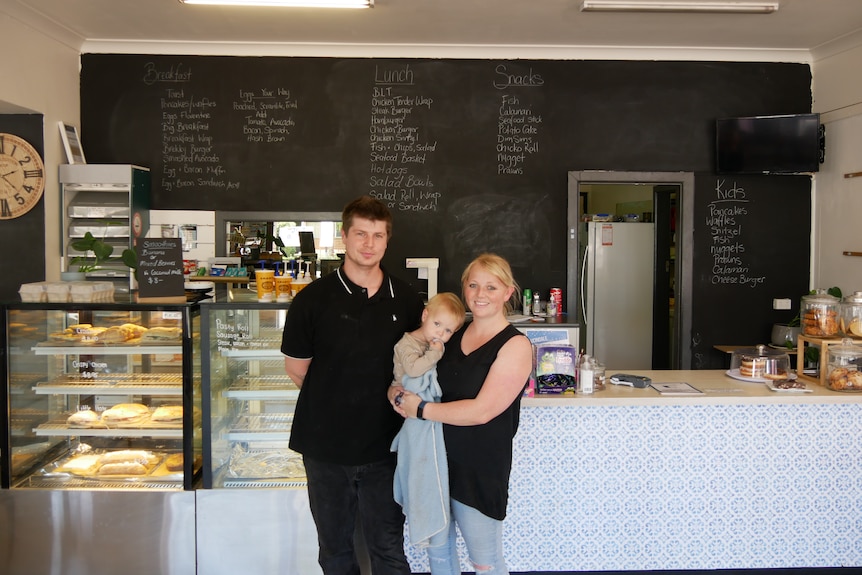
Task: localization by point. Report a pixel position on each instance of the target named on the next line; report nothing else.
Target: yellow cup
(265, 282)
(299, 283)
(282, 287)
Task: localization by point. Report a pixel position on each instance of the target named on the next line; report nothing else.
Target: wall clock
(22, 176)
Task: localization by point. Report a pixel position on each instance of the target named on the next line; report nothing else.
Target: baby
(420, 350)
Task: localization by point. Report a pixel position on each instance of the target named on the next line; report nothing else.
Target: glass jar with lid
(842, 370)
(760, 364)
(851, 315)
(819, 315)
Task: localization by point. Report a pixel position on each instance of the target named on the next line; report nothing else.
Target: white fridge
(617, 277)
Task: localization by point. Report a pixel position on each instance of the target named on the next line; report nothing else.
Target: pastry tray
(266, 465)
(157, 471)
(143, 429)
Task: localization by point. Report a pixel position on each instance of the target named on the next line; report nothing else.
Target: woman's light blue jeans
(484, 539)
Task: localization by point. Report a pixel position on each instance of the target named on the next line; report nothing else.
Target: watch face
(22, 177)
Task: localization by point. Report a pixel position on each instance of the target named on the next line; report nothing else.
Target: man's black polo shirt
(343, 415)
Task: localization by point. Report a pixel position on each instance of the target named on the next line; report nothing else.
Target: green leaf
(102, 250)
(130, 258)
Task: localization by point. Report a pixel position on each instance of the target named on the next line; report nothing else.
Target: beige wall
(40, 75)
(838, 199)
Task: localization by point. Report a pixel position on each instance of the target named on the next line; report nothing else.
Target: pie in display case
(251, 399)
(103, 396)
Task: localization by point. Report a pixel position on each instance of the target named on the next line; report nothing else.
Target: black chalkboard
(753, 245)
(472, 155)
(160, 268)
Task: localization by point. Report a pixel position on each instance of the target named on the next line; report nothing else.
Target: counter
(739, 477)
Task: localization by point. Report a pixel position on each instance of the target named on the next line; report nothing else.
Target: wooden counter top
(717, 387)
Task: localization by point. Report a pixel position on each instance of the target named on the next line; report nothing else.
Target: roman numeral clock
(22, 177)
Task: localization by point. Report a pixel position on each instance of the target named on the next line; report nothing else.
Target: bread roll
(168, 414)
(125, 413)
(129, 456)
(174, 462)
(161, 334)
(123, 468)
(83, 419)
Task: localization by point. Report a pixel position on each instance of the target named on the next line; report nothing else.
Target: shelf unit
(823, 344)
(112, 202)
(251, 401)
(53, 376)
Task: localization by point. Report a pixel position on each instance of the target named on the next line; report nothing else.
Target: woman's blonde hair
(498, 267)
(448, 302)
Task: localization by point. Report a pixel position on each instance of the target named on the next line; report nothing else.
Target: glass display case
(251, 399)
(102, 396)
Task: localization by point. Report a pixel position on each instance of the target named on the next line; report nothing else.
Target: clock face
(22, 177)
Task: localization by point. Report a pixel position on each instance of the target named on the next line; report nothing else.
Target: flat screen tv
(768, 144)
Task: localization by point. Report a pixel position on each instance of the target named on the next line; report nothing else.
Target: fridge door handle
(583, 276)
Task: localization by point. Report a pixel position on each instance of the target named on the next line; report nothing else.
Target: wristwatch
(420, 409)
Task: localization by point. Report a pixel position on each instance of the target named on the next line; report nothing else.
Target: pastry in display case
(251, 398)
(103, 396)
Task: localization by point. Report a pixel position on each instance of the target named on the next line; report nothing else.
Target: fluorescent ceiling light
(679, 6)
(291, 3)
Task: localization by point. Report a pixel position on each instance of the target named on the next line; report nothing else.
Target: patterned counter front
(687, 485)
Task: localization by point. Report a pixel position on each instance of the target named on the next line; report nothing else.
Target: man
(338, 343)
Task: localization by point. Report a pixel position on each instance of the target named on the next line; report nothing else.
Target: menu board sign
(160, 269)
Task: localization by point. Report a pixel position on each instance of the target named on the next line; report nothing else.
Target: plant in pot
(101, 256)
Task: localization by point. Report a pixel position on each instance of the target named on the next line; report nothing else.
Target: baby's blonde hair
(448, 302)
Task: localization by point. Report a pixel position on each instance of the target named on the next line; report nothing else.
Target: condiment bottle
(586, 381)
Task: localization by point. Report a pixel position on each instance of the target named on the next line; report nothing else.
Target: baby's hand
(436, 344)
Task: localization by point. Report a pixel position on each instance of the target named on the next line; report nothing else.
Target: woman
(482, 376)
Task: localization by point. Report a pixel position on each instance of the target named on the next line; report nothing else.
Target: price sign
(160, 268)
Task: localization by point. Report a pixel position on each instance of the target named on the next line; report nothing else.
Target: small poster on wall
(72, 144)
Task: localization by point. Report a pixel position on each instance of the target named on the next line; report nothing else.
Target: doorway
(658, 197)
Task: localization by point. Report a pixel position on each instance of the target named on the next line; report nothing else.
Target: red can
(557, 296)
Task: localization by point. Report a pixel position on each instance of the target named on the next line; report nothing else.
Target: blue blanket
(422, 474)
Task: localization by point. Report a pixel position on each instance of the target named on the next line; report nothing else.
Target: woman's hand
(393, 392)
(405, 403)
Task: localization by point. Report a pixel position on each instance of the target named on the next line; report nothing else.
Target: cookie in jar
(819, 315)
(843, 368)
(851, 315)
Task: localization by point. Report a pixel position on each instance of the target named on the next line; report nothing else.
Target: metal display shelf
(265, 387)
(127, 383)
(54, 428)
(106, 349)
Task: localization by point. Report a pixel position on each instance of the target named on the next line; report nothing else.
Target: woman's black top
(480, 456)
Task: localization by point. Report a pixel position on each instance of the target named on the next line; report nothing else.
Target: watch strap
(421, 409)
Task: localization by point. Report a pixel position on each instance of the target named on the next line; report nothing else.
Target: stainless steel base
(97, 532)
(256, 532)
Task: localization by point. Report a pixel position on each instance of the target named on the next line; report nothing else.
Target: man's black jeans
(336, 493)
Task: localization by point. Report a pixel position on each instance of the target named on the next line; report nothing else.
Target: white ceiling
(799, 25)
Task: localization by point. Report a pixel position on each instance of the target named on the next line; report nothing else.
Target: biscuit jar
(851, 315)
(842, 370)
(819, 315)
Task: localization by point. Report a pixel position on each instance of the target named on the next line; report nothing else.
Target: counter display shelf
(94, 383)
(111, 489)
(250, 399)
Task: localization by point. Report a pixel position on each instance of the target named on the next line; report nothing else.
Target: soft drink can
(557, 296)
